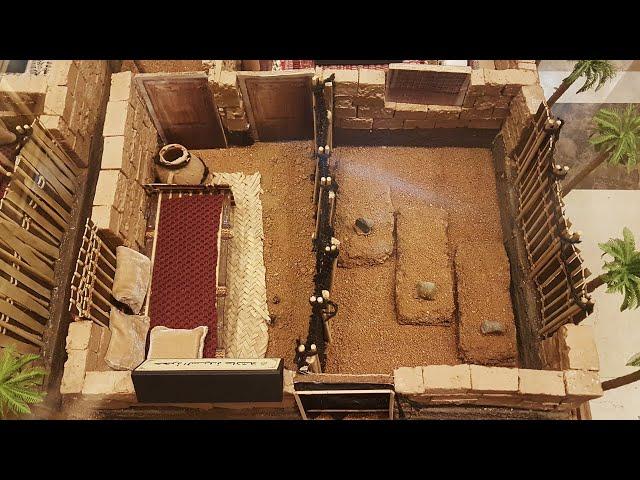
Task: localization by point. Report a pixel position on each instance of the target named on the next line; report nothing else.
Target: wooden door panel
(281, 107)
(183, 110)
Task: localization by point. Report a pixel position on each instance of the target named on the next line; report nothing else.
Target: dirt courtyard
(367, 337)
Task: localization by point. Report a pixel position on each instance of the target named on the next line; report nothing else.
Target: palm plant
(595, 72)
(617, 139)
(19, 382)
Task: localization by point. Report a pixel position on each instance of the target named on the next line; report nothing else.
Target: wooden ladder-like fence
(35, 213)
(555, 263)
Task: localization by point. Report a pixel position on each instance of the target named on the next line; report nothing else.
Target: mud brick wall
(130, 145)
(522, 109)
(359, 100)
(223, 82)
(571, 378)
(75, 94)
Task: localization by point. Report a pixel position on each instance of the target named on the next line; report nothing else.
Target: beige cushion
(128, 340)
(131, 281)
(177, 342)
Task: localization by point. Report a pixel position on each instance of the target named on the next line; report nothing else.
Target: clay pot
(177, 166)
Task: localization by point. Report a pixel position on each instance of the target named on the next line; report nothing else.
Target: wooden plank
(19, 316)
(23, 298)
(8, 208)
(21, 333)
(21, 347)
(30, 239)
(25, 251)
(28, 182)
(26, 280)
(51, 180)
(46, 167)
(31, 212)
(6, 256)
(27, 195)
(51, 148)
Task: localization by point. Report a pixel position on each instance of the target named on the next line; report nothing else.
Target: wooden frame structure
(171, 190)
(556, 266)
(35, 213)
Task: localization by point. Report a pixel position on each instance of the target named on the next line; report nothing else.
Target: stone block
(345, 81)
(116, 120)
(237, 124)
(459, 123)
(577, 348)
(408, 380)
(371, 82)
(494, 379)
(388, 123)
(410, 124)
(83, 335)
(474, 113)
(342, 101)
(371, 112)
(485, 123)
(113, 155)
(345, 112)
(110, 189)
(105, 217)
(75, 368)
(121, 87)
(443, 112)
(55, 100)
(542, 384)
(551, 353)
(582, 385)
(446, 378)
(357, 123)
(515, 79)
(411, 111)
(108, 383)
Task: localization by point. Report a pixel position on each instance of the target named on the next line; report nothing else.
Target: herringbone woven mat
(247, 314)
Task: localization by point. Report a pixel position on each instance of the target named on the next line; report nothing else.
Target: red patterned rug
(183, 286)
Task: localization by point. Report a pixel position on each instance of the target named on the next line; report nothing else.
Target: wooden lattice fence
(556, 266)
(35, 213)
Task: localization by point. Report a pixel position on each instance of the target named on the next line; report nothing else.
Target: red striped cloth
(300, 64)
(183, 285)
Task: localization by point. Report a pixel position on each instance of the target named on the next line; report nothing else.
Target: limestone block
(582, 385)
(114, 156)
(515, 79)
(577, 348)
(485, 123)
(551, 353)
(121, 86)
(494, 379)
(110, 189)
(371, 112)
(446, 378)
(542, 384)
(408, 380)
(476, 82)
(83, 335)
(458, 123)
(75, 368)
(475, 113)
(117, 118)
(342, 101)
(345, 112)
(55, 100)
(108, 383)
(371, 82)
(345, 81)
(105, 217)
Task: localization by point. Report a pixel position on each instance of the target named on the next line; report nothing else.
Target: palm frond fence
(556, 267)
(35, 213)
(311, 355)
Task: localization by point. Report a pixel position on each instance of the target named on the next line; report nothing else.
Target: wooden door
(183, 109)
(278, 104)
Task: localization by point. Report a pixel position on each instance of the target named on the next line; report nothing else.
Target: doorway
(278, 104)
(182, 109)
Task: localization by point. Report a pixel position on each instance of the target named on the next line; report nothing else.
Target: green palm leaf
(595, 72)
(622, 274)
(618, 133)
(19, 382)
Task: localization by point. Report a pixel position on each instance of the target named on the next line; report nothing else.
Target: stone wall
(571, 378)
(359, 100)
(223, 82)
(67, 99)
(130, 145)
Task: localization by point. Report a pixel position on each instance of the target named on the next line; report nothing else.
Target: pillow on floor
(131, 281)
(177, 342)
(128, 340)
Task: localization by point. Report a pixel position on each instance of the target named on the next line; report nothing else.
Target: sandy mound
(423, 255)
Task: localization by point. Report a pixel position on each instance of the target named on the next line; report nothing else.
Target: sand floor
(366, 335)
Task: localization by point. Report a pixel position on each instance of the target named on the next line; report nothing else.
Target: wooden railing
(555, 263)
(35, 213)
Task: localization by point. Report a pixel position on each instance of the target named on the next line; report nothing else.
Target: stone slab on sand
(368, 199)
(423, 254)
(483, 279)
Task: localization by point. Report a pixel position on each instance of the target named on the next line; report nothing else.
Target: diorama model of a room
(310, 236)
